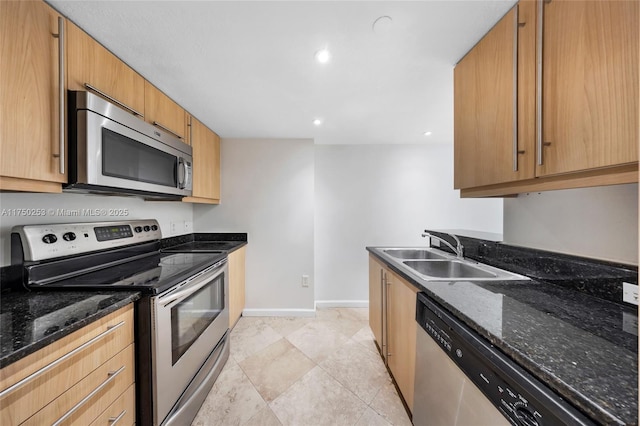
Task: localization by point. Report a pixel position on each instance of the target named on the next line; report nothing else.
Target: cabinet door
(161, 111)
(494, 104)
(88, 62)
(236, 285)
(402, 325)
(30, 140)
(589, 85)
(206, 164)
(376, 289)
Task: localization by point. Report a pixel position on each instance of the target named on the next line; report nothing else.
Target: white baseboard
(342, 304)
(279, 312)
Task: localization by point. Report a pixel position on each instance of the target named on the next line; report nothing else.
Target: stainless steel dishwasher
(461, 379)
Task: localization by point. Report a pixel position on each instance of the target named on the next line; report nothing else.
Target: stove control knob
(147, 228)
(49, 239)
(525, 417)
(69, 236)
(138, 229)
(154, 227)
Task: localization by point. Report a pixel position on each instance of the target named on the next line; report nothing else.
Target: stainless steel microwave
(113, 152)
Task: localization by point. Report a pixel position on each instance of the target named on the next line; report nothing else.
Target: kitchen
(318, 205)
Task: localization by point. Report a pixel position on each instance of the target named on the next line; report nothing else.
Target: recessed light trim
(427, 133)
(323, 56)
(317, 122)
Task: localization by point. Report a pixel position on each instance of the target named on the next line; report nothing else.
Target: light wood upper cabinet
(494, 104)
(560, 110)
(30, 138)
(206, 164)
(589, 85)
(88, 62)
(161, 111)
(236, 285)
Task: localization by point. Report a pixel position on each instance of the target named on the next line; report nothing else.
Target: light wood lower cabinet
(78, 376)
(121, 411)
(376, 289)
(236, 285)
(31, 145)
(392, 307)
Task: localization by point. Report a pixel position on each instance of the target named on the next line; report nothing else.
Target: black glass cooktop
(152, 274)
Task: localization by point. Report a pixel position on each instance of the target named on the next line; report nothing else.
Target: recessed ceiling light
(382, 25)
(317, 122)
(427, 133)
(323, 56)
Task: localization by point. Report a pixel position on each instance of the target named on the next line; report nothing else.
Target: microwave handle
(183, 173)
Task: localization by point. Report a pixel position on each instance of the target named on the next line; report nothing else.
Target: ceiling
(247, 69)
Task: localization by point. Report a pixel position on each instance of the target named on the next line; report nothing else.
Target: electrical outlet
(174, 228)
(305, 281)
(630, 323)
(630, 293)
(188, 226)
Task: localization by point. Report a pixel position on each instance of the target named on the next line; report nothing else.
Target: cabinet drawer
(122, 412)
(101, 387)
(49, 372)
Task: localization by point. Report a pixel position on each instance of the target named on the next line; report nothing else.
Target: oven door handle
(197, 283)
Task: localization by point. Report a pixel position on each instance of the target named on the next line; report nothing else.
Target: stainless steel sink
(432, 264)
(453, 269)
(415, 254)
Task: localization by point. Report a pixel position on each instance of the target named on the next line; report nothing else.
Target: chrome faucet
(458, 250)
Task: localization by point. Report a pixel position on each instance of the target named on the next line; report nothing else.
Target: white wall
(164, 211)
(267, 191)
(384, 195)
(600, 222)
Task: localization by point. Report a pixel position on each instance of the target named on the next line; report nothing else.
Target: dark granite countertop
(30, 321)
(582, 346)
(223, 242)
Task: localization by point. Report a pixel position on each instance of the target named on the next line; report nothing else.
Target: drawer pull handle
(114, 420)
(112, 375)
(166, 129)
(36, 374)
(112, 99)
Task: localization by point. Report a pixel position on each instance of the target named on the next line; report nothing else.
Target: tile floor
(304, 371)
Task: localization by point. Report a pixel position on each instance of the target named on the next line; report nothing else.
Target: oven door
(190, 320)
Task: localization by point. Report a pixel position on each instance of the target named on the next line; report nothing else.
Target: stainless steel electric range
(182, 317)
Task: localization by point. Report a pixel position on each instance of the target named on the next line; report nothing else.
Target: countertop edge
(129, 297)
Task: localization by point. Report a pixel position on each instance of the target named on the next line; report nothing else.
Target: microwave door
(115, 156)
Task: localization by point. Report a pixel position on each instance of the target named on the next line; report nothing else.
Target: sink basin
(414, 254)
(452, 269)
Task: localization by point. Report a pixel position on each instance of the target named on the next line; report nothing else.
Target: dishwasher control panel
(519, 396)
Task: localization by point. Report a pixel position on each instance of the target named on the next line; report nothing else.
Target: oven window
(192, 316)
(126, 158)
